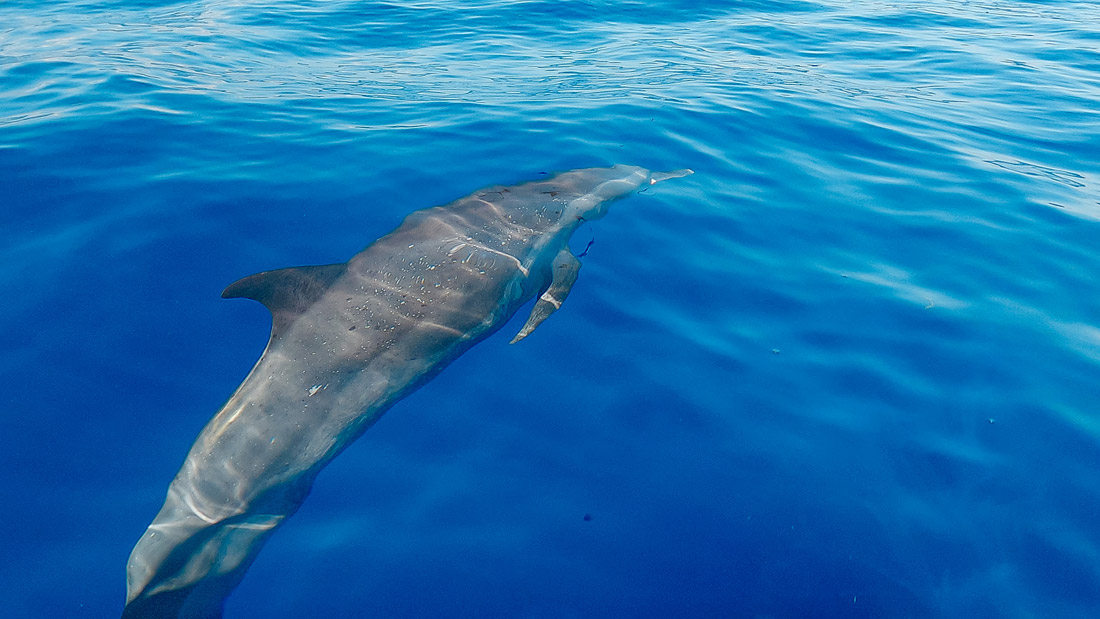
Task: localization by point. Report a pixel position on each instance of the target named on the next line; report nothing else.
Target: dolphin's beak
(657, 177)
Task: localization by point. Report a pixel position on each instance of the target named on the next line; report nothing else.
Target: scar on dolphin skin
(348, 341)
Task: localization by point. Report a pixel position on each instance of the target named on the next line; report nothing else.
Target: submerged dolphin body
(348, 341)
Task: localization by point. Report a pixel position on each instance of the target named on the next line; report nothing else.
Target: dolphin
(348, 341)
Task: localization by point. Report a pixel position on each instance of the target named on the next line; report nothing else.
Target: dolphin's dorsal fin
(566, 269)
(287, 293)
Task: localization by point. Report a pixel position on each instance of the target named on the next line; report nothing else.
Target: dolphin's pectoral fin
(287, 293)
(566, 267)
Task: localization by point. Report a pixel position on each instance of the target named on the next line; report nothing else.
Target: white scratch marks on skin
(259, 524)
(188, 500)
(519, 265)
(549, 298)
(436, 325)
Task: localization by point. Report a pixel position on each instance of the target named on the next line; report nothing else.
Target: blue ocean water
(847, 369)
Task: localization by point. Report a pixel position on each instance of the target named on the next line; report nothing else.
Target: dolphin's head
(535, 218)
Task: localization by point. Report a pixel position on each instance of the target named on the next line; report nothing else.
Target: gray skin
(348, 341)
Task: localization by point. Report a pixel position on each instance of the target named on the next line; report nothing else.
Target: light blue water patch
(846, 369)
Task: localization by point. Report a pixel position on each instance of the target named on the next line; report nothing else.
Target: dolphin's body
(348, 341)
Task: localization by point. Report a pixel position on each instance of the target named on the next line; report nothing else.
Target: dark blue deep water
(850, 368)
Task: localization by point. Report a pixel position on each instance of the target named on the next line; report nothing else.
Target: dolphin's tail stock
(191, 557)
(180, 583)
